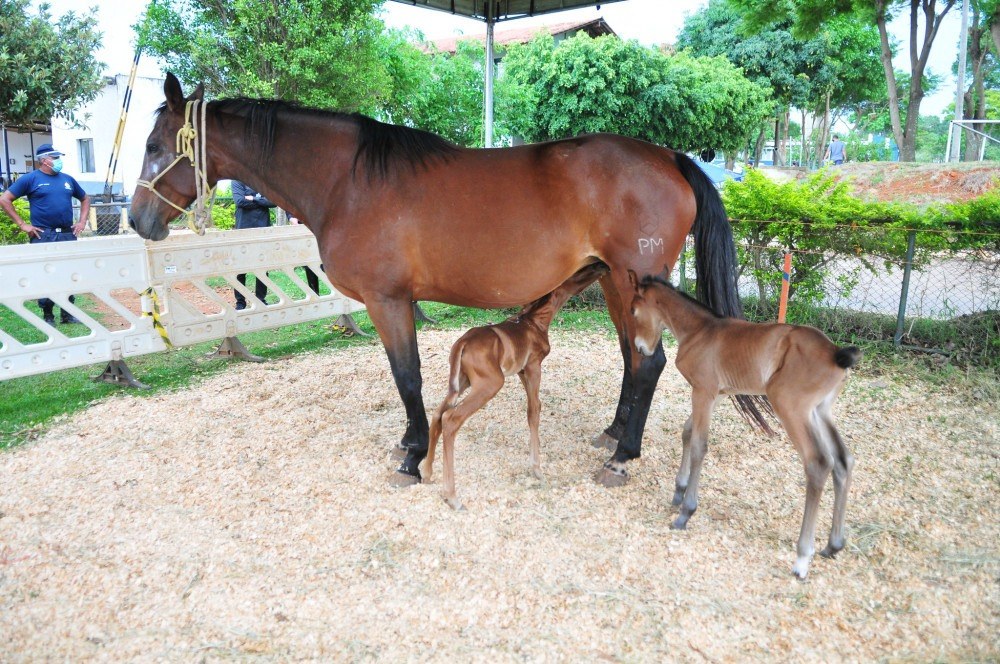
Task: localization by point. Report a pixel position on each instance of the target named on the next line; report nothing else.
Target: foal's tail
(715, 262)
(847, 356)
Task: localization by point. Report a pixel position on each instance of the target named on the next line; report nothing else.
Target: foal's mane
(651, 279)
(381, 146)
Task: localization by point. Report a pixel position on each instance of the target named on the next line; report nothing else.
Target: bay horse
(796, 366)
(481, 360)
(402, 215)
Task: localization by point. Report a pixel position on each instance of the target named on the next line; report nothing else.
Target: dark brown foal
(799, 369)
(483, 357)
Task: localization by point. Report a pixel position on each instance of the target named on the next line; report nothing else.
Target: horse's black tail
(847, 356)
(714, 251)
(715, 264)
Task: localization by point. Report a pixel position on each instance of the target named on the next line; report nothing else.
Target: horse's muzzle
(643, 347)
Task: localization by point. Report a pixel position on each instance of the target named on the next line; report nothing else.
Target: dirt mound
(919, 184)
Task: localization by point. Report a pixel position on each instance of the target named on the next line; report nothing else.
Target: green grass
(32, 404)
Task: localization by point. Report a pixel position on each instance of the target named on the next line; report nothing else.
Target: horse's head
(167, 183)
(647, 313)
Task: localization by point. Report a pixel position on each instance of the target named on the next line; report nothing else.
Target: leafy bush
(9, 232)
(818, 219)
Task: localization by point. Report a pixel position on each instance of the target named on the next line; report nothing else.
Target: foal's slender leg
(435, 433)
(817, 463)
(393, 319)
(484, 388)
(684, 472)
(843, 470)
(531, 378)
(702, 404)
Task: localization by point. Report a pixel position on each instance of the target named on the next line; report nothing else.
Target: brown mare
(402, 215)
(481, 360)
(796, 366)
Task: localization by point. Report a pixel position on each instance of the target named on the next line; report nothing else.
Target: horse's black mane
(381, 146)
(655, 278)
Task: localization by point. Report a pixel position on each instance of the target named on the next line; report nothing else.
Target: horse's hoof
(398, 453)
(537, 474)
(400, 480)
(830, 552)
(679, 525)
(678, 498)
(611, 478)
(605, 442)
(455, 504)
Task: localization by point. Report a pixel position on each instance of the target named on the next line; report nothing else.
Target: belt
(67, 229)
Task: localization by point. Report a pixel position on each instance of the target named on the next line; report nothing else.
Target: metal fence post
(911, 243)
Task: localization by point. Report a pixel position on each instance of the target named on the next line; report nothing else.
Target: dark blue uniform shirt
(50, 197)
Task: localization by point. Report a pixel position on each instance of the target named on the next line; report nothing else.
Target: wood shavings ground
(249, 518)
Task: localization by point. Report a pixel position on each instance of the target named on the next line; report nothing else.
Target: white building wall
(100, 122)
(20, 148)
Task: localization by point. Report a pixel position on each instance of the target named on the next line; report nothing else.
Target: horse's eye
(152, 148)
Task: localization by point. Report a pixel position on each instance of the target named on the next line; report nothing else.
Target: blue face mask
(57, 165)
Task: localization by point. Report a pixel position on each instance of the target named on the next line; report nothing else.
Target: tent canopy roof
(502, 10)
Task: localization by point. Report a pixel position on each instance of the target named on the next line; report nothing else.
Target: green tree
(586, 85)
(983, 72)
(832, 71)
(322, 53)
(47, 68)
(926, 16)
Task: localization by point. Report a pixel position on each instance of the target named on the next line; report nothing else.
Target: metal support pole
(6, 155)
(911, 244)
(488, 101)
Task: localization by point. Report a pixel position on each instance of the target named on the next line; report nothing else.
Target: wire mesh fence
(938, 291)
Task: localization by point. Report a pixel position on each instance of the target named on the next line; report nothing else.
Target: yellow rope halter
(190, 148)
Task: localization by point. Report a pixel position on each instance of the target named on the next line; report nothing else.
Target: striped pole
(786, 276)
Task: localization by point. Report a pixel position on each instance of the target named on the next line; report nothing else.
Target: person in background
(50, 195)
(311, 277)
(252, 211)
(837, 152)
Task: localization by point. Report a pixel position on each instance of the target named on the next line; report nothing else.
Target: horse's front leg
(393, 319)
(637, 393)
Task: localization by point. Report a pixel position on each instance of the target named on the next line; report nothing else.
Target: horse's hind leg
(433, 436)
(684, 472)
(843, 470)
(817, 462)
(608, 439)
(393, 319)
(531, 378)
(483, 389)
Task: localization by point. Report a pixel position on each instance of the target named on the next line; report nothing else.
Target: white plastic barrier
(98, 266)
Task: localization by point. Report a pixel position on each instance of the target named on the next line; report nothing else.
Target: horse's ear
(633, 279)
(198, 94)
(172, 91)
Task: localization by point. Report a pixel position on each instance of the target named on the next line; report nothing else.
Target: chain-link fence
(911, 288)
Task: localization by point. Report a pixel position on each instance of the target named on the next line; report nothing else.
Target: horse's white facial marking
(651, 245)
(154, 167)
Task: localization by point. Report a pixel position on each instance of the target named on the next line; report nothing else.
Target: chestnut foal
(799, 369)
(484, 356)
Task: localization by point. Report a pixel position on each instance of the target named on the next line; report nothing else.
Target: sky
(648, 21)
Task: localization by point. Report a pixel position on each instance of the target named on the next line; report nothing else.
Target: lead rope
(189, 147)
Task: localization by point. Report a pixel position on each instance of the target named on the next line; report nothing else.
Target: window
(86, 146)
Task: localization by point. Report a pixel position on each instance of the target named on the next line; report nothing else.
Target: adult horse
(402, 215)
